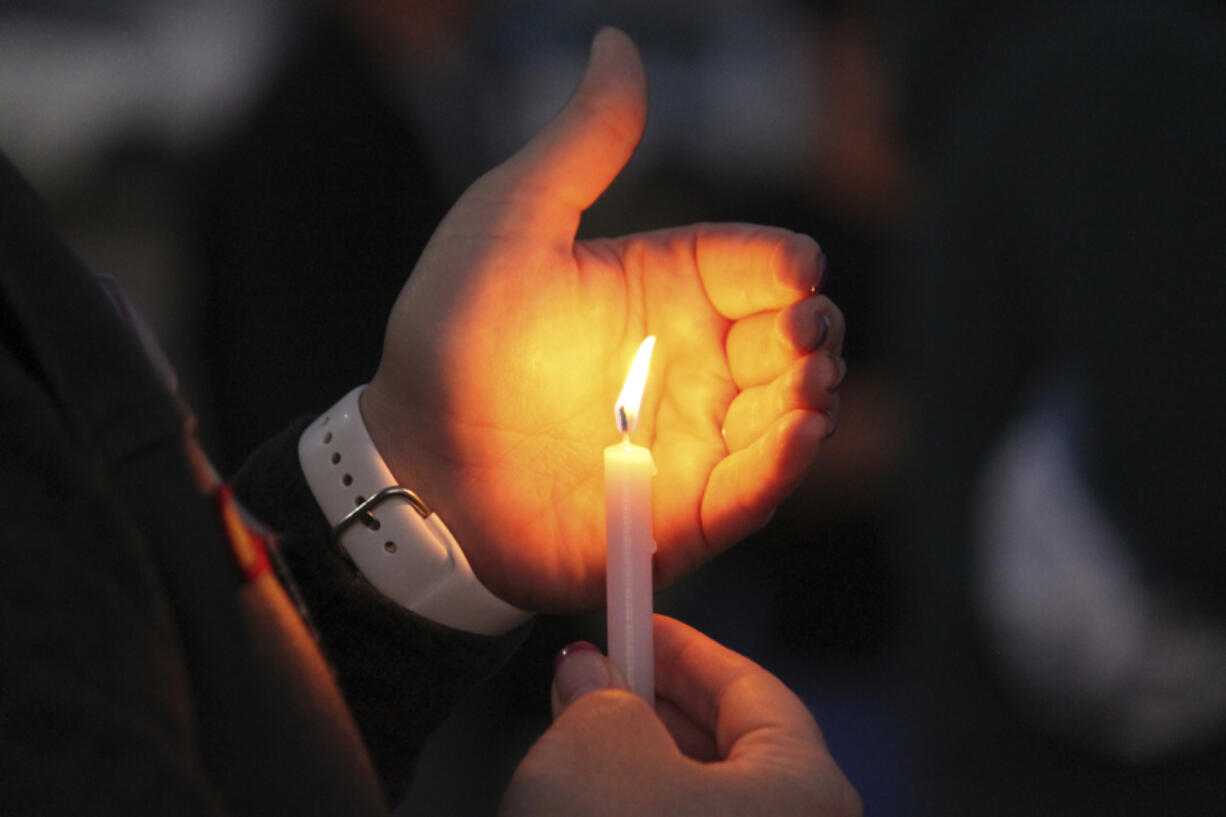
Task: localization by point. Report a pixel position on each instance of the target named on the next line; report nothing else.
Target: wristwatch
(392, 537)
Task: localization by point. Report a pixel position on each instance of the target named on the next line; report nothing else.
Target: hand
(506, 350)
(730, 739)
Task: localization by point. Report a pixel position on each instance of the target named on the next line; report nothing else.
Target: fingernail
(838, 380)
(823, 331)
(834, 424)
(580, 668)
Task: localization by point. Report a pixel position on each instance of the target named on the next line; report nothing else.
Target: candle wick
(623, 422)
(625, 438)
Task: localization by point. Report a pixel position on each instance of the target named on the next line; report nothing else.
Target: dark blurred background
(261, 177)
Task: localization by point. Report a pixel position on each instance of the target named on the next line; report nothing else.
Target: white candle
(629, 545)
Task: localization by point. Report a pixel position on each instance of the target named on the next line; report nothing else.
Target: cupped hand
(506, 350)
(729, 738)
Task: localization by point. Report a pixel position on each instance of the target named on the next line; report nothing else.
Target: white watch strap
(395, 541)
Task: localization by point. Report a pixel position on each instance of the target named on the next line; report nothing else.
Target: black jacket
(140, 671)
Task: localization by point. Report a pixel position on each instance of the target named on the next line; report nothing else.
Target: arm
(95, 705)
(401, 674)
(494, 397)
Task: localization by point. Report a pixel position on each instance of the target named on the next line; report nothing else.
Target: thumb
(579, 153)
(581, 668)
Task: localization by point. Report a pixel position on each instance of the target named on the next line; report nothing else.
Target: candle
(628, 470)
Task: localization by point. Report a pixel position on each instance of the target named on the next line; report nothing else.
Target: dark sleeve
(401, 674)
(95, 707)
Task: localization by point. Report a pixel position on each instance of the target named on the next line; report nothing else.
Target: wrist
(410, 445)
(389, 532)
(384, 421)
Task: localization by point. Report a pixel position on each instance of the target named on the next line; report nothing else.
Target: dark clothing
(140, 671)
(1073, 223)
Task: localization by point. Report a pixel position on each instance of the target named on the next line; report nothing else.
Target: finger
(726, 694)
(607, 753)
(758, 350)
(809, 383)
(581, 668)
(575, 157)
(694, 742)
(748, 269)
(746, 486)
(760, 347)
(838, 326)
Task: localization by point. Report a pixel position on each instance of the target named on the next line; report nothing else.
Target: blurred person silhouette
(163, 653)
(326, 188)
(1061, 342)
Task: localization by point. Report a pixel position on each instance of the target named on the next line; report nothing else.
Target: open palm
(506, 350)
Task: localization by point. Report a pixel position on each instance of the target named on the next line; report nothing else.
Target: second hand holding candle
(629, 542)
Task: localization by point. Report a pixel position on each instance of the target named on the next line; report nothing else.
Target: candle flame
(626, 412)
